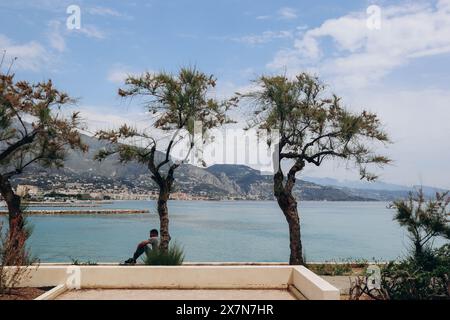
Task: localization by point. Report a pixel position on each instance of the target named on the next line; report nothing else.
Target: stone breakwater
(78, 204)
(74, 212)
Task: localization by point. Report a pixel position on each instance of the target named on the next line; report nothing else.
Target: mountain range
(219, 181)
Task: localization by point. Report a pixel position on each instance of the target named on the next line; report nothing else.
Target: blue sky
(134, 36)
(400, 71)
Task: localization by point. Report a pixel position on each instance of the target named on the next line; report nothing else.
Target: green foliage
(331, 269)
(424, 279)
(313, 125)
(175, 102)
(44, 140)
(424, 220)
(174, 256)
(425, 274)
(310, 126)
(338, 268)
(178, 105)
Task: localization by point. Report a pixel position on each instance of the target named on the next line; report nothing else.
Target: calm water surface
(224, 231)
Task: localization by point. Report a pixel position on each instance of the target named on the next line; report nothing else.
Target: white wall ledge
(305, 281)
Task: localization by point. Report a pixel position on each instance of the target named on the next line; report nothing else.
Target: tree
(423, 219)
(425, 272)
(312, 128)
(43, 140)
(175, 102)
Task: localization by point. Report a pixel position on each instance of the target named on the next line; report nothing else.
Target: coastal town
(60, 186)
(84, 192)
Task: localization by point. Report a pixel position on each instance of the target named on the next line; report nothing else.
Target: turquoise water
(224, 231)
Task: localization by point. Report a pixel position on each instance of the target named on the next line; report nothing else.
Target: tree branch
(13, 147)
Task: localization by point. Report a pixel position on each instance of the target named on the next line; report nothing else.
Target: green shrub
(419, 279)
(331, 268)
(425, 273)
(173, 257)
(424, 220)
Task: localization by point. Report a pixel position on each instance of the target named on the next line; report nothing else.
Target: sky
(389, 57)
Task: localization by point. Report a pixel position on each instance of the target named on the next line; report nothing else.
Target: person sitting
(151, 244)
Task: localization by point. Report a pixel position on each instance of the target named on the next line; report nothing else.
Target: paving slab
(340, 282)
(175, 294)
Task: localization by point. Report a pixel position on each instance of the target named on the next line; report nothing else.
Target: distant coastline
(78, 212)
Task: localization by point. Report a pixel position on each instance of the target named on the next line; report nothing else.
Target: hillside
(215, 182)
(220, 181)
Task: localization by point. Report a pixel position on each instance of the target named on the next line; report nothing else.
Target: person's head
(153, 233)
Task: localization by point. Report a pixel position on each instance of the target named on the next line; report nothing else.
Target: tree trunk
(163, 212)
(288, 205)
(418, 249)
(13, 202)
(165, 187)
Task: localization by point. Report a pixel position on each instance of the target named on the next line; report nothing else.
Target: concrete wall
(184, 277)
(312, 286)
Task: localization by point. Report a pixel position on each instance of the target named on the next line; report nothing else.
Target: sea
(223, 231)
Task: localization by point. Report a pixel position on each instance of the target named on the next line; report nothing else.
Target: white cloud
(30, 56)
(417, 122)
(55, 36)
(354, 60)
(361, 56)
(104, 118)
(104, 11)
(284, 13)
(48, 5)
(117, 76)
(287, 13)
(95, 118)
(58, 33)
(91, 32)
(108, 12)
(264, 37)
(119, 73)
(227, 89)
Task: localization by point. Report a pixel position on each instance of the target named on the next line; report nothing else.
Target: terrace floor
(177, 294)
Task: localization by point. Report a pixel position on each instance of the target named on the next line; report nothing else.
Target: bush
(425, 274)
(173, 257)
(419, 279)
(342, 267)
(424, 220)
(331, 269)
